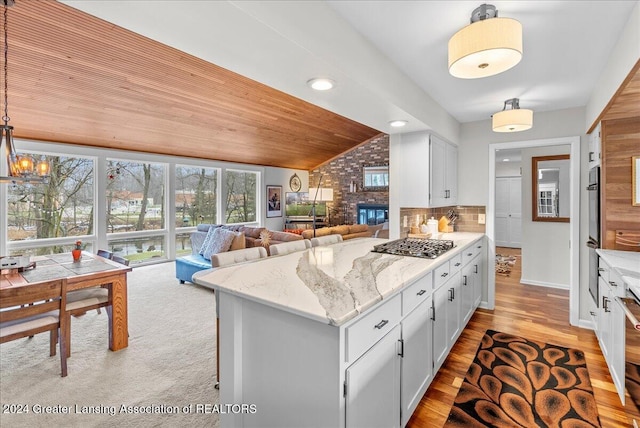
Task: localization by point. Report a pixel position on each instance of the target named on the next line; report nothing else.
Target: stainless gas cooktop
(415, 247)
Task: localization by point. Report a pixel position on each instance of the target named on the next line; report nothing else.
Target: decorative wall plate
(295, 183)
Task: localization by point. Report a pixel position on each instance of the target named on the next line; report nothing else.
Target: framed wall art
(274, 201)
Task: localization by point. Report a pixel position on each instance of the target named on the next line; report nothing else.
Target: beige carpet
(170, 362)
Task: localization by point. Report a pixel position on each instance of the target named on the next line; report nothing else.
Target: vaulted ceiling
(74, 78)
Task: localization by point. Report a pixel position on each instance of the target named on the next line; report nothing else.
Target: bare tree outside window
(196, 195)
(59, 208)
(241, 196)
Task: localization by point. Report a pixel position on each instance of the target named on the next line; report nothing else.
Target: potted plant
(77, 251)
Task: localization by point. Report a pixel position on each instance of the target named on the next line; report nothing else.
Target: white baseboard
(543, 284)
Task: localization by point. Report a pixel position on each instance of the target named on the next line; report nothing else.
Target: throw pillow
(207, 239)
(220, 242)
(238, 242)
(265, 238)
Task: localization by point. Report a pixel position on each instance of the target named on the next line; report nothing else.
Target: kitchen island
(316, 338)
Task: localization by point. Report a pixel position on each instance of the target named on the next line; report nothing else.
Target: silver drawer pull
(444, 274)
(464, 279)
(421, 292)
(382, 324)
(469, 254)
(613, 283)
(457, 264)
(600, 270)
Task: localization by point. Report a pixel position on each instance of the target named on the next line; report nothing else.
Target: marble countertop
(330, 284)
(626, 264)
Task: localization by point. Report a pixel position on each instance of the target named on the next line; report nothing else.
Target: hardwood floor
(537, 313)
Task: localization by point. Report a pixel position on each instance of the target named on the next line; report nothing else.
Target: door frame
(574, 216)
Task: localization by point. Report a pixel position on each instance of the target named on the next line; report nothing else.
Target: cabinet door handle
(457, 264)
(444, 274)
(600, 270)
(475, 268)
(591, 156)
(605, 304)
(613, 283)
(433, 313)
(451, 294)
(479, 246)
(382, 324)
(469, 254)
(464, 279)
(421, 292)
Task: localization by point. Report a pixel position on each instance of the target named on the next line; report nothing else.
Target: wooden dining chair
(105, 253)
(79, 302)
(29, 309)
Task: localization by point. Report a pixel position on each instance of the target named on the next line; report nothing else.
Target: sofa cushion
(238, 242)
(220, 241)
(207, 239)
(284, 236)
(252, 232)
(357, 228)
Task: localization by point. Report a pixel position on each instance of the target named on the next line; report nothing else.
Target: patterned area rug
(504, 264)
(515, 382)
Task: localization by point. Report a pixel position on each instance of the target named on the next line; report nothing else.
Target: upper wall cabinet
(595, 142)
(428, 171)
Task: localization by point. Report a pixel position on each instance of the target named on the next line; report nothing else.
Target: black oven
(594, 230)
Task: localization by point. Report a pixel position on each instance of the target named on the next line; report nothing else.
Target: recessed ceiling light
(398, 123)
(321, 84)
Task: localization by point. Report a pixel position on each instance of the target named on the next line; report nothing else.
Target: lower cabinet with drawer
(371, 371)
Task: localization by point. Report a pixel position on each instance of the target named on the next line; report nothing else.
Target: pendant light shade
(487, 46)
(20, 168)
(514, 119)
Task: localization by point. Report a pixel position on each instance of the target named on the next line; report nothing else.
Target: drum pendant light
(487, 46)
(514, 119)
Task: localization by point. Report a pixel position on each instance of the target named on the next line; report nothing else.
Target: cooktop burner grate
(415, 247)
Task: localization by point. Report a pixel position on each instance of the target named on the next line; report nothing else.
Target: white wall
(280, 177)
(545, 245)
(473, 172)
(508, 169)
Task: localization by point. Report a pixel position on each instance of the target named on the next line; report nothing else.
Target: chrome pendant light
(21, 168)
(488, 46)
(513, 119)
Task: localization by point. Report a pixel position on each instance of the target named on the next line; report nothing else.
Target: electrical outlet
(404, 222)
(481, 219)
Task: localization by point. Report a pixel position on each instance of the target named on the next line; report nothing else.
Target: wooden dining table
(90, 271)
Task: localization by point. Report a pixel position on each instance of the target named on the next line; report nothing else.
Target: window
(135, 196)
(196, 195)
(63, 207)
(241, 196)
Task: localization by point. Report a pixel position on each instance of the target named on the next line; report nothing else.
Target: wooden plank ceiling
(74, 78)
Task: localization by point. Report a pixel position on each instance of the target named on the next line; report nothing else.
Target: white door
(416, 362)
(373, 386)
(509, 212)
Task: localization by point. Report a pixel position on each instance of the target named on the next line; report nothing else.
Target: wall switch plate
(404, 222)
(481, 219)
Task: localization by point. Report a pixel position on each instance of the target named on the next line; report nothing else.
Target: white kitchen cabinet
(444, 173)
(610, 328)
(429, 168)
(595, 144)
(373, 385)
(446, 322)
(467, 292)
(417, 364)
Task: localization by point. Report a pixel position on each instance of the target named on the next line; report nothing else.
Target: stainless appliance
(594, 230)
(631, 306)
(415, 247)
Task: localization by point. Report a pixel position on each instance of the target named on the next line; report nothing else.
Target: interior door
(509, 212)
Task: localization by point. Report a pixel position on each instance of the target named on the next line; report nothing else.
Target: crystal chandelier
(21, 168)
